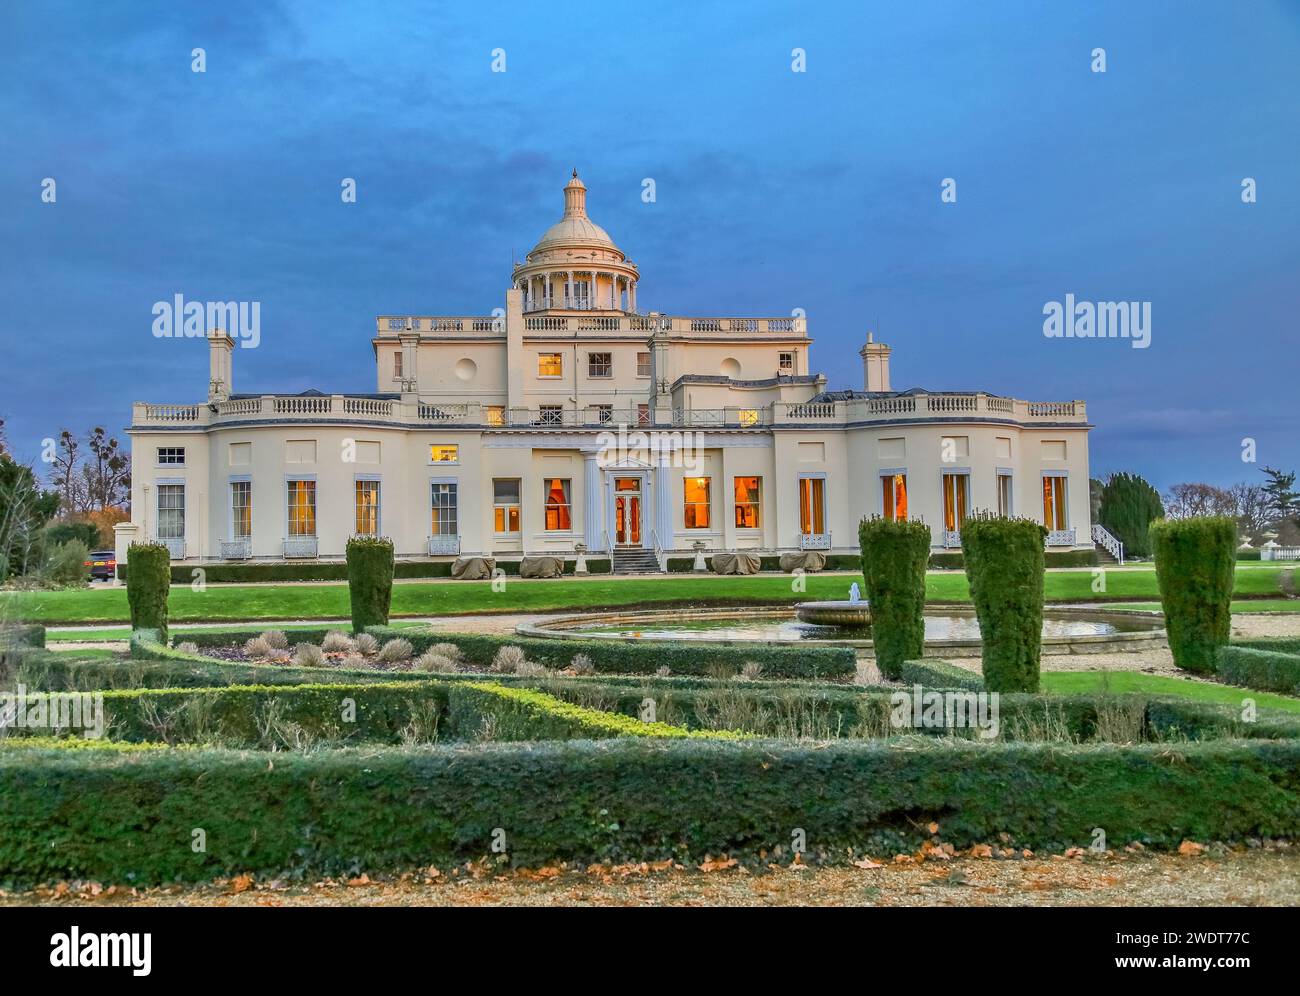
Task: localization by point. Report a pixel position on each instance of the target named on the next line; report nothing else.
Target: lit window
(241, 509)
(302, 508)
(557, 504)
(812, 506)
(748, 416)
(600, 365)
(893, 489)
(171, 456)
(697, 502)
(786, 362)
(444, 509)
(505, 506)
(1054, 517)
(956, 500)
(496, 414)
(444, 454)
(550, 364)
(1004, 494)
(171, 511)
(367, 508)
(748, 502)
(643, 364)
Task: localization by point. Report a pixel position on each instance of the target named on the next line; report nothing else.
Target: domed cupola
(576, 266)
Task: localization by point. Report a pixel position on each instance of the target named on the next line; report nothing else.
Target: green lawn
(1073, 682)
(324, 601)
(1238, 605)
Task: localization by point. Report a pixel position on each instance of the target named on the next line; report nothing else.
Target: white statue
(855, 594)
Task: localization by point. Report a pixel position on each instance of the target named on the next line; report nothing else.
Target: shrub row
(114, 816)
(934, 673)
(21, 635)
(637, 657)
(1263, 670)
(499, 712)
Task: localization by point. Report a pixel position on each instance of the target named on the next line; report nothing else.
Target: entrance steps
(632, 560)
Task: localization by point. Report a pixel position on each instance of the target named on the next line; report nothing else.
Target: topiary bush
(1195, 561)
(1004, 564)
(148, 582)
(1128, 507)
(370, 580)
(894, 559)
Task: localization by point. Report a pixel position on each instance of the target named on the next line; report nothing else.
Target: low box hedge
(1263, 670)
(934, 673)
(641, 657)
(117, 816)
(21, 635)
(234, 573)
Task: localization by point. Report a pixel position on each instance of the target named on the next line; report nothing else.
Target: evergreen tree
(1128, 507)
(1280, 496)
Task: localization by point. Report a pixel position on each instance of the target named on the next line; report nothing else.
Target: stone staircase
(635, 561)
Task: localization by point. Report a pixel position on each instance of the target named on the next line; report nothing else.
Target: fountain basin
(854, 615)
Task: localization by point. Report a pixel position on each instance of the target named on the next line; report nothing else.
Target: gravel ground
(1260, 877)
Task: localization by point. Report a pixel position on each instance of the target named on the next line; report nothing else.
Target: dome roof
(575, 228)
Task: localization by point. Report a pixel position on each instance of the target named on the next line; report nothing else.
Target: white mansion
(570, 417)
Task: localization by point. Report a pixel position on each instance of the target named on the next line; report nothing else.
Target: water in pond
(937, 627)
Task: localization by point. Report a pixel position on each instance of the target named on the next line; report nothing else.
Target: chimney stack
(220, 347)
(875, 365)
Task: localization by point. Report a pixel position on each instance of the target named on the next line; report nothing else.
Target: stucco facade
(568, 416)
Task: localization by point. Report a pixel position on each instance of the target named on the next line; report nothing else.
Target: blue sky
(776, 190)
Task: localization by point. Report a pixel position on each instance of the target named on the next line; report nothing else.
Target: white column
(591, 298)
(593, 534)
(631, 295)
(568, 288)
(664, 500)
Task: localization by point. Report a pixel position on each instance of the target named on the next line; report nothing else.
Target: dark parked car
(102, 565)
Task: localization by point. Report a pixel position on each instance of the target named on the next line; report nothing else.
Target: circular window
(730, 367)
(466, 368)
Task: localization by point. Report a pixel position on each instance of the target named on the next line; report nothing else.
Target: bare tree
(1252, 509)
(1190, 501)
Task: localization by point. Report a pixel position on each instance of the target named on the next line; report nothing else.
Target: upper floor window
(444, 454)
(550, 364)
(397, 366)
(600, 364)
(812, 506)
(786, 363)
(496, 414)
(550, 415)
(643, 364)
(642, 414)
(558, 510)
(171, 456)
(747, 416)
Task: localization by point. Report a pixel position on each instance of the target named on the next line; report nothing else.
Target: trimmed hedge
(1004, 564)
(1276, 644)
(114, 816)
(148, 586)
(934, 673)
(1051, 558)
(1195, 568)
(370, 580)
(528, 714)
(641, 657)
(895, 555)
(21, 635)
(1264, 670)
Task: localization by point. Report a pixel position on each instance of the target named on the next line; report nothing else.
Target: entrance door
(627, 511)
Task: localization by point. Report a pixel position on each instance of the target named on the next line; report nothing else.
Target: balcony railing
(393, 325)
(1060, 537)
(441, 546)
(951, 539)
(413, 411)
(175, 546)
(814, 541)
(300, 546)
(237, 549)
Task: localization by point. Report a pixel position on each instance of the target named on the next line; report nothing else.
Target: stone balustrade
(393, 325)
(409, 411)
